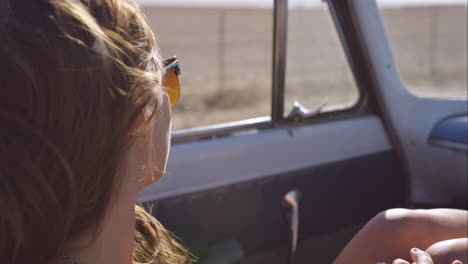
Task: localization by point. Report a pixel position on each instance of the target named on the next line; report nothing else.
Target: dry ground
(226, 55)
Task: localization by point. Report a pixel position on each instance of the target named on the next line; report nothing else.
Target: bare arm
(392, 233)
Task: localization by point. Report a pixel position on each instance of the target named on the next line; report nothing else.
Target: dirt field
(226, 55)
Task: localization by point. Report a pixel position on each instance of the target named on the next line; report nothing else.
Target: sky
(292, 3)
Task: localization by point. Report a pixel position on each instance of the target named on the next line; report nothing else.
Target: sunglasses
(171, 83)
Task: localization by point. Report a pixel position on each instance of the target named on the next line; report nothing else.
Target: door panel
(223, 197)
(334, 196)
(437, 175)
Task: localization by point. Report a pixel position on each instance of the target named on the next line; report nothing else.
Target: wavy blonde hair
(75, 75)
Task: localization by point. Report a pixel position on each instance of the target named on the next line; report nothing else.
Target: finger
(420, 257)
(400, 261)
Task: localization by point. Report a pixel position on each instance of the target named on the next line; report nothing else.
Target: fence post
(433, 41)
(221, 51)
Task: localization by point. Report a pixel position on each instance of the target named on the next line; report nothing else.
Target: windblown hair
(74, 76)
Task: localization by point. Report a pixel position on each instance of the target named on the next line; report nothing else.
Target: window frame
(341, 16)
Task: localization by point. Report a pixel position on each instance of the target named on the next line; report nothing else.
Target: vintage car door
(333, 132)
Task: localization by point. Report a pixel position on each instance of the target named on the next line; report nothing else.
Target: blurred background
(225, 51)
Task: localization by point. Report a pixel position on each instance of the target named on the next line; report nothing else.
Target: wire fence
(226, 57)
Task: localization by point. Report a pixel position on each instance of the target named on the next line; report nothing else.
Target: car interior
(298, 184)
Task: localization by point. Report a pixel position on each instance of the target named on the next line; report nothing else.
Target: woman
(85, 125)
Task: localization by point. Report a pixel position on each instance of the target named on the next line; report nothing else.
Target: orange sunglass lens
(171, 83)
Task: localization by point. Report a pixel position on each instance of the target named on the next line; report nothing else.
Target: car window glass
(317, 71)
(429, 43)
(225, 50)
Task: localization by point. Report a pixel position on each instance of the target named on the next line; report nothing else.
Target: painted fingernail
(415, 249)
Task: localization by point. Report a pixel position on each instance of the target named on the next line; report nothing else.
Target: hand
(419, 257)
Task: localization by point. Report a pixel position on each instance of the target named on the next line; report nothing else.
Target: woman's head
(80, 83)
